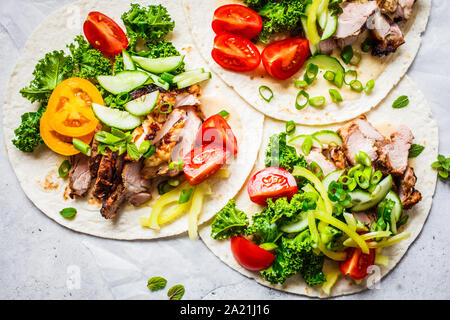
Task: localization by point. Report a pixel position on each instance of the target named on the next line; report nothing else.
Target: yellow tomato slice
(59, 143)
(69, 108)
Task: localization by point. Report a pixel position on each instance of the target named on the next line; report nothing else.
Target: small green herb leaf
(133, 151)
(401, 102)
(416, 150)
(156, 283)
(68, 213)
(176, 292)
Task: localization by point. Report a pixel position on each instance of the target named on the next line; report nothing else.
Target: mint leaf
(156, 283)
(401, 102)
(68, 213)
(176, 292)
(415, 151)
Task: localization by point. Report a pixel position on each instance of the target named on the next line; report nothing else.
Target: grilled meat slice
(387, 34)
(406, 191)
(393, 154)
(112, 204)
(360, 135)
(145, 90)
(187, 137)
(94, 160)
(352, 21)
(315, 155)
(337, 154)
(108, 175)
(327, 46)
(396, 9)
(79, 176)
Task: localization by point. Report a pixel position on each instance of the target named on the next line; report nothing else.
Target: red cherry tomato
(235, 53)
(216, 130)
(357, 263)
(249, 255)
(104, 34)
(204, 161)
(271, 183)
(237, 19)
(282, 59)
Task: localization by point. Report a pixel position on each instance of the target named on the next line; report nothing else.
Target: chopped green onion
(352, 170)
(167, 77)
(68, 213)
(290, 127)
(299, 106)
(329, 75)
(361, 180)
(347, 54)
(401, 102)
(367, 44)
(106, 138)
(84, 148)
(362, 158)
(268, 246)
(339, 79)
(356, 85)
(311, 73)
(176, 165)
(150, 152)
(122, 98)
(163, 110)
(224, 114)
(145, 146)
(300, 84)
(349, 182)
(185, 195)
(133, 151)
(307, 145)
(353, 74)
(64, 169)
(164, 187)
(335, 95)
(316, 169)
(317, 101)
(376, 177)
(368, 172)
(356, 60)
(266, 93)
(119, 133)
(369, 86)
(173, 182)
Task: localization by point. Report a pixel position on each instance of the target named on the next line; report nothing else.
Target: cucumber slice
(360, 197)
(330, 27)
(396, 211)
(378, 194)
(187, 74)
(297, 142)
(328, 137)
(193, 79)
(159, 65)
(315, 49)
(157, 81)
(297, 226)
(143, 105)
(128, 64)
(332, 176)
(325, 62)
(322, 13)
(125, 81)
(115, 118)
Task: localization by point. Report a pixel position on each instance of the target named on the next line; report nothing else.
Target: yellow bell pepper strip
(382, 260)
(313, 34)
(200, 192)
(174, 212)
(332, 276)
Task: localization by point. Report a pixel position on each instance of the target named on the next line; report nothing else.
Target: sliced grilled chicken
(397, 9)
(337, 154)
(315, 155)
(393, 154)
(406, 191)
(352, 21)
(387, 34)
(359, 135)
(187, 137)
(79, 176)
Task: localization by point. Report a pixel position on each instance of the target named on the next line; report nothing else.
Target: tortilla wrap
(37, 172)
(417, 116)
(386, 71)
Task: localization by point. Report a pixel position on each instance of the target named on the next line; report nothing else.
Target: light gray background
(41, 260)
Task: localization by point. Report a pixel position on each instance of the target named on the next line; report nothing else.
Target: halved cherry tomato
(357, 263)
(249, 255)
(235, 53)
(57, 142)
(282, 59)
(272, 183)
(216, 130)
(69, 107)
(104, 34)
(204, 161)
(237, 19)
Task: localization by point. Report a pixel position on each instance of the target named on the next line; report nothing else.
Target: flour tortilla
(37, 172)
(386, 72)
(417, 116)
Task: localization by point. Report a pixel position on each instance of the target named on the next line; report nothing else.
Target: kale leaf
(279, 154)
(27, 134)
(255, 4)
(229, 222)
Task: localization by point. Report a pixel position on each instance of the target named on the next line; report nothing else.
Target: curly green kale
(296, 255)
(27, 134)
(255, 4)
(150, 24)
(279, 154)
(48, 73)
(89, 62)
(229, 222)
(331, 237)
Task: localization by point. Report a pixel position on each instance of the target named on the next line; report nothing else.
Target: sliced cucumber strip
(378, 194)
(143, 105)
(297, 142)
(115, 118)
(328, 137)
(159, 65)
(360, 197)
(128, 64)
(195, 78)
(322, 13)
(157, 81)
(332, 176)
(330, 27)
(297, 226)
(187, 74)
(396, 211)
(125, 81)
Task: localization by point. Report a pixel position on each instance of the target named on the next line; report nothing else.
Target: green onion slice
(185, 195)
(317, 101)
(351, 73)
(303, 94)
(339, 79)
(290, 127)
(307, 145)
(176, 165)
(316, 169)
(150, 152)
(107, 138)
(266, 93)
(366, 45)
(224, 114)
(84, 148)
(167, 77)
(347, 54)
(369, 86)
(311, 73)
(144, 147)
(300, 84)
(64, 169)
(173, 182)
(356, 85)
(165, 108)
(164, 187)
(356, 60)
(352, 170)
(122, 98)
(361, 180)
(376, 177)
(363, 158)
(335, 95)
(329, 75)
